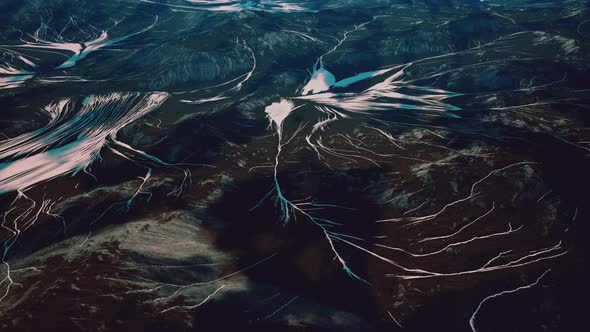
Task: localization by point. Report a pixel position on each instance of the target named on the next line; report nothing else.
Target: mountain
(329, 165)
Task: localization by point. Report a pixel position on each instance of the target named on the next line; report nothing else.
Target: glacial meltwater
(285, 165)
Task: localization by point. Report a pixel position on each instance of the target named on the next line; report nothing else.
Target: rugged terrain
(331, 165)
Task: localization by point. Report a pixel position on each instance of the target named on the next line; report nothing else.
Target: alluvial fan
(328, 165)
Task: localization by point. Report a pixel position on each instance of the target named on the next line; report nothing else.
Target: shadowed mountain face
(330, 165)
